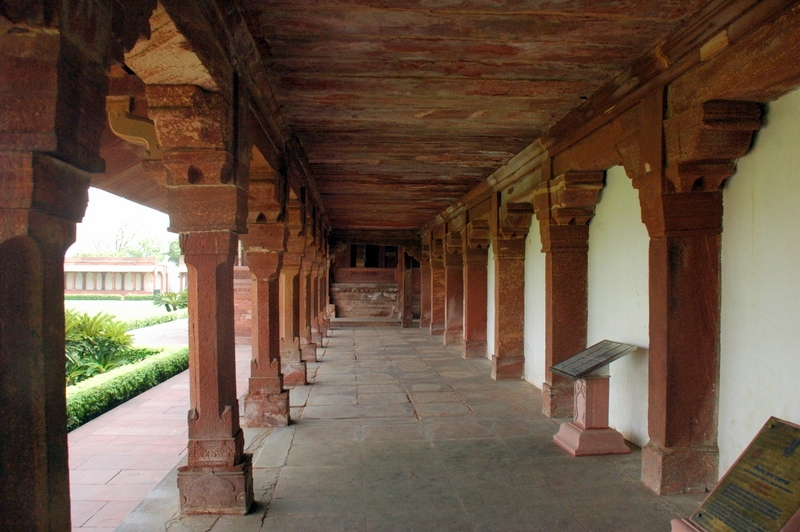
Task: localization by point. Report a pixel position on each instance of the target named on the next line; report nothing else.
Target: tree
(174, 251)
(124, 243)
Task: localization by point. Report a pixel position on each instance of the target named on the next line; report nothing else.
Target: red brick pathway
(118, 458)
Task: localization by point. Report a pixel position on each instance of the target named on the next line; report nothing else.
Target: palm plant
(171, 300)
(93, 344)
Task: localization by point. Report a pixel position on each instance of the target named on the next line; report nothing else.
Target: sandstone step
(349, 323)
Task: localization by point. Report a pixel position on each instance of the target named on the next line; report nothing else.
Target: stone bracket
(478, 234)
(453, 244)
(515, 220)
(138, 131)
(573, 197)
(703, 143)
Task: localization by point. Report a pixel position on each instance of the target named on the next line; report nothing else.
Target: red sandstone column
(202, 171)
(564, 207)
(35, 232)
(324, 318)
(476, 239)
(454, 290)
(437, 296)
(404, 291)
(685, 225)
(316, 335)
(308, 349)
(425, 292)
(509, 304)
(52, 94)
(513, 222)
(437, 285)
(266, 402)
(294, 368)
(216, 459)
(566, 309)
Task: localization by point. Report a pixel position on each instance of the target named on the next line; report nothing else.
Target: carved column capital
(477, 239)
(265, 264)
(573, 197)
(206, 181)
(437, 248)
(453, 248)
(701, 147)
(703, 143)
(514, 220)
(425, 257)
(478, 235)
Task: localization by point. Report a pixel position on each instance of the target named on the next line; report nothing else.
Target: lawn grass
(123, 310)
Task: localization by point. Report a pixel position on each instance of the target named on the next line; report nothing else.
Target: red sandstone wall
(365, 300)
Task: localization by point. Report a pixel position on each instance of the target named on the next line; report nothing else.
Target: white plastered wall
(534, 307)
(760, 321)
(490, 303)
(618, 299)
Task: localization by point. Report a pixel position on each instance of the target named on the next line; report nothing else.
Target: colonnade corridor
(397, 432)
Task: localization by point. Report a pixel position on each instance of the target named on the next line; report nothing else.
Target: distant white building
(116, 275)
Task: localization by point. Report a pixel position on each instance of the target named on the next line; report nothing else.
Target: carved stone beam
(703, 143)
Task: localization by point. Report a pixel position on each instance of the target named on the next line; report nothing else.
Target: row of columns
(682, 209)
(45, 162)
(115, 281)
(285, 251)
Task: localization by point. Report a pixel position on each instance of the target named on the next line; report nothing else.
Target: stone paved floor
(399, 433)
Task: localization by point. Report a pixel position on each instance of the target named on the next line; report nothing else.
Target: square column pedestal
(589, 434)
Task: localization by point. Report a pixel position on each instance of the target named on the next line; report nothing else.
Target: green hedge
(155, 320)
(97, 395)
(108, 297)
(93, 297)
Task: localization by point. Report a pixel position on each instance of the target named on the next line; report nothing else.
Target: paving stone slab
(468, 453)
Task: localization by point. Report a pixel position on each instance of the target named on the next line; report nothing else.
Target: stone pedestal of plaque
(761, 491)
(589, 434)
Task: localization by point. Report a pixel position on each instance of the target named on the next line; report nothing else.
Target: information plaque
(761, 491)
(591, 359)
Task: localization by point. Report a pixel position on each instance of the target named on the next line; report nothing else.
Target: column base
(437, 329)
(316, 336)
(294, 374)
(558, 401)
(266, 409)
(216, 490)
(473, 349)
(590, 442)
(679, 470)
(507, 368)
(424, 323)
(452, 338)
(308, 352)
